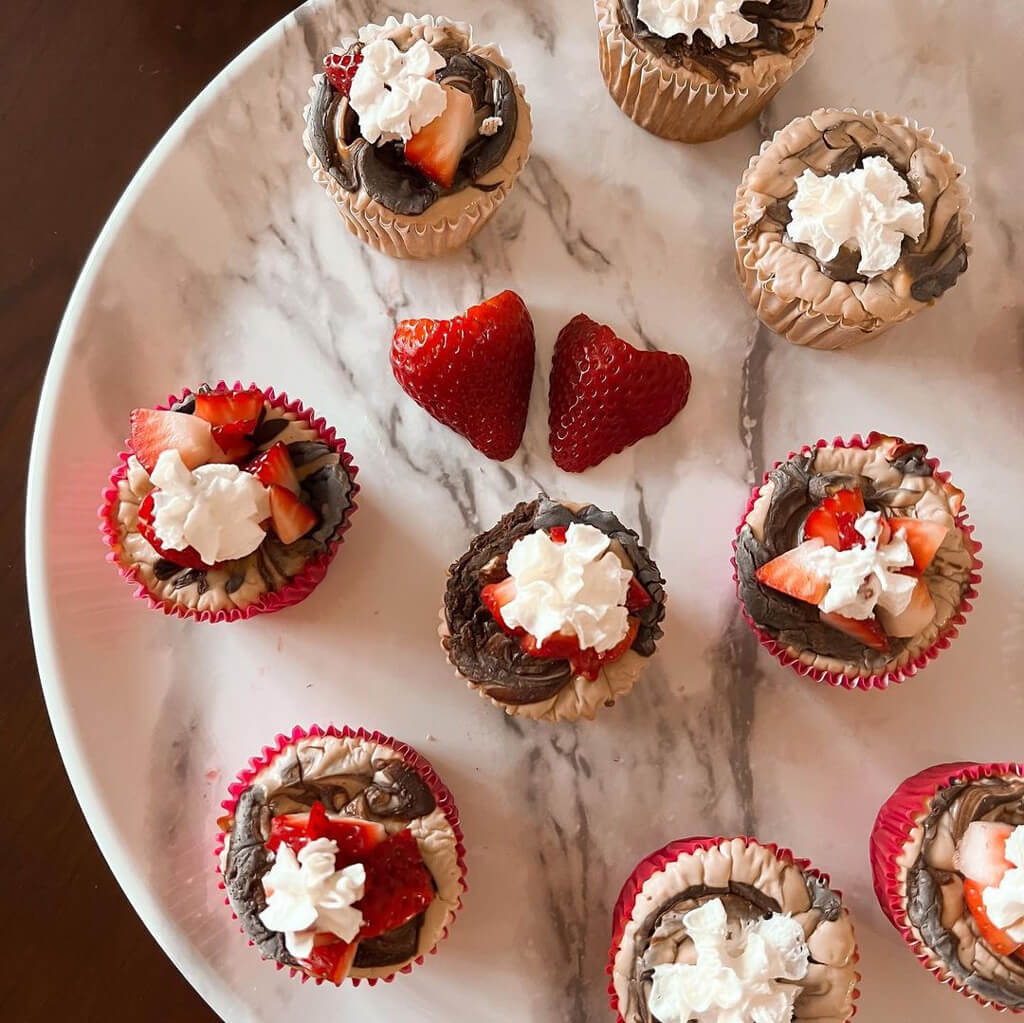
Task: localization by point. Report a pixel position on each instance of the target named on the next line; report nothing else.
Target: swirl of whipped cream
(868, 576)
(740, 973)
(578, 588)
(216, 510)
(865, 207)
(1004, 902)
(719, 20)
(394, 91)
(307, 896)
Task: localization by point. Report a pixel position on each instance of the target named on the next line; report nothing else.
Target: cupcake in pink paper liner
(947, 854)
(341, 855)
(713, 929)
(229, 502)
(854, 562)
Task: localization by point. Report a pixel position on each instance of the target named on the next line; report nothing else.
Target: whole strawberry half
(472, 373)
(605, 394)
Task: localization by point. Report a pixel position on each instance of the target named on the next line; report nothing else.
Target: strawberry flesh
(398, 885)
(354, 836)
(924, 539)
(291, 517)
(792, 573)
(341, 69)
(995, 937)
(437, 147)
(154, 432)
(866, 631)
(331, 960)
(275, 466)
(188, 558)
(240, 409)
(833, 521)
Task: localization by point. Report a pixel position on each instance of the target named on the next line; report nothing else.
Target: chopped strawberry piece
(637, 598)
(995, 937)
(354, 836)
(398, 885)
(331, 957)
(341, 69)
(917, 615)
(496, 595)
(239, 409)
(834, 520)
(866, 631)
(437, 147)
(275, 466)
(557, 534)
(557, 647)
(981, 852)
(188, 558)
(154, 432)
(291, 517)
(793, 574)
(234, 441)
(289, 828)
(924, 539)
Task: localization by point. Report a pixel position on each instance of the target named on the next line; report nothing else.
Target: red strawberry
(154, 432)
(398, 885)
(341, 68)
(239, 408)
(495, 596)
(472, 373)
(792, 573)
(981, 853)
(557, 534)
(833, 520)
(637, 598)
(915, 618)
(995, 937)
(275, 466)
(437, 147)
(331, 957)
(354, 836)
(188, 558)
(924, 539)
(605, 394)
(866, 631)
(291, 517)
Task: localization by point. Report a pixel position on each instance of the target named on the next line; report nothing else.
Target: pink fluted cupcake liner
(890, 835)
(893, 676)
(441, 793)
(300, 585)
(659, 861)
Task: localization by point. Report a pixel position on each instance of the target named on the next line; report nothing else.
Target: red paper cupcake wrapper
(442, 795)
(894, 675)
(657, 862)
(300, 585)
(892, 832)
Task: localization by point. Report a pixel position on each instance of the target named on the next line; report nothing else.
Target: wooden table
(90, 89)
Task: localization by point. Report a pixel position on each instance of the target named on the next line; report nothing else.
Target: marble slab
(225, 260)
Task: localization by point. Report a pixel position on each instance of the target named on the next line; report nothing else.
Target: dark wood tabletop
(91, 87)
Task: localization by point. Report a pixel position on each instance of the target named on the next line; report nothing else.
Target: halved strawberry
(495, 596)
(866, 631)
(290, 517)
(792, 573)
(154, 432)
(924, 538)
(331, 957)
(981, 852)
(398, 885)
(188, 558)
(437, 147)
(915, 618)
(995, 937)
(241, 408)
(833, 520)
(275, 466)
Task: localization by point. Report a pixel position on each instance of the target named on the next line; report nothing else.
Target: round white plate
(224, 259)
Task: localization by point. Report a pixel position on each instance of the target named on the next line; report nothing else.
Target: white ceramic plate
(223, 259)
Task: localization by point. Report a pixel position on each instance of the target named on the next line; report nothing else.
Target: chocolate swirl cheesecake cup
(847, 224)
(854, 563)
(942, 856)
(230, 502)
(421, 178)
(554, 612)
(695, 72)
(699, 903)
(341, 855)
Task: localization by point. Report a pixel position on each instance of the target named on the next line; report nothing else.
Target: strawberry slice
(981, 853)
(866, 631)
(437, 147)
(154, 432)
(275, 466)
(557, 533)
(398, 885)
(833, 520)
(495, 596)
(290, 516)
(637, 598)
(915, 618)
(331, 957)
(995, 937)
(793, 574)
(354, 836)
(188, 558)
(924, 539)
(239, 409)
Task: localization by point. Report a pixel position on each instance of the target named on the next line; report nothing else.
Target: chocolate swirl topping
(950, 813)
(774, 35)
(490, 658)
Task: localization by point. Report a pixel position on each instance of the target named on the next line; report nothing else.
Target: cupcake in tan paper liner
(695, 70)
(553, 612)
(417, 134)
(715, 929)
(847, 224)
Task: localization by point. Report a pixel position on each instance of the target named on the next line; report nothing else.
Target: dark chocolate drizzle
(478, 647)
(775, 34)
(994, 799)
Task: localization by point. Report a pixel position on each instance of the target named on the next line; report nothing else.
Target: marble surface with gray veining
(228, 261)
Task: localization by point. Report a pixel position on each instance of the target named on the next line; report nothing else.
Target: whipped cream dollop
(742, 973)
(719, 20)
(1004, 902)
(577, 587)
(867, 576)
(215, 509)
(394, 91)
(865, 208)
(307, 896)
